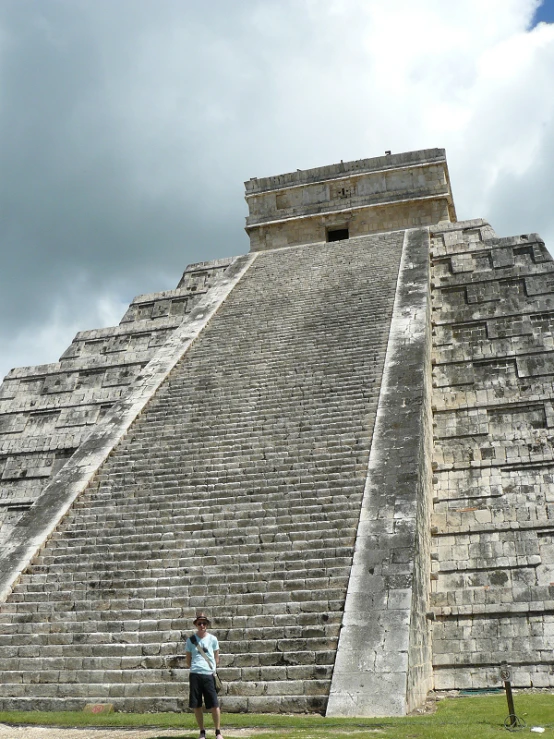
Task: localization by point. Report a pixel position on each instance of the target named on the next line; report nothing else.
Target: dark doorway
(337, 234)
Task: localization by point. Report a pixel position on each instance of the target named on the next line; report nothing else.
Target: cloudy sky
(129, 126)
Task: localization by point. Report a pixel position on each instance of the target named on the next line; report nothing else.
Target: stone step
(129, 656)
(165, 689)
(264, 523)
(287, 414)
(272, 514)
(163, 674)
(272, 582)
(30, 623)
(165, 479)
(291, 563)
(125, 536)
(318, 546)
(232, 704)
(337, 558)
(186, 540)
(89, 633)
(35, 576)
(265, 602)
(274, 578)
(97, 592)
(264, 512)
(185, 544)
(236, 457)
(287, 473)
(328, 495)
(301, 416)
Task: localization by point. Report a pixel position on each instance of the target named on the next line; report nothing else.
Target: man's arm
(188, 652)
(216, 655)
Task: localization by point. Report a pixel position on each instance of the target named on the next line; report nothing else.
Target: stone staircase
(46, 412)
(237, 491)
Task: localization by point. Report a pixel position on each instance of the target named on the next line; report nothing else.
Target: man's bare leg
(216, 716)
(199, 716)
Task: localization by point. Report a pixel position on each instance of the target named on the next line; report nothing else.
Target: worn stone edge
(370, 677)
(38, 523)
(420, 675)
(373, 165)
(251, 225)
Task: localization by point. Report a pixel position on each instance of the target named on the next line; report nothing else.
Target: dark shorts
(202, 686)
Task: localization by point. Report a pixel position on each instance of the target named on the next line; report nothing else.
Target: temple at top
(349, 199)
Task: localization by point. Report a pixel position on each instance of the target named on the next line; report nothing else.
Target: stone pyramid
(339, 445)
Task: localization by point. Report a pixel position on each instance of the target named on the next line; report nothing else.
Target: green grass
(472, 717)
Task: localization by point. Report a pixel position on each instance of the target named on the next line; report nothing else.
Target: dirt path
(43, 732)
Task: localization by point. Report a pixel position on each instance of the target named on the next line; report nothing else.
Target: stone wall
(359, 222)
(493, 557)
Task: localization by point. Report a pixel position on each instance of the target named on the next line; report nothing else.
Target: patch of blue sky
(544, 13)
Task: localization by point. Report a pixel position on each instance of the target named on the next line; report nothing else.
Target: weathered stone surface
(493, 458)
(379, 670)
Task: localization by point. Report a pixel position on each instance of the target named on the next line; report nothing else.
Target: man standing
(202, 652)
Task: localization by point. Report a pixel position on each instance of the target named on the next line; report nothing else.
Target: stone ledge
(447, 226)
(386, 163)
(252, 224)
(539, 528)
(210, 264)
(129, 328)
(466, 279)
(496, 610)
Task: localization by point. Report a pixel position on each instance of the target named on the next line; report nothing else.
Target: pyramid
(338, 445)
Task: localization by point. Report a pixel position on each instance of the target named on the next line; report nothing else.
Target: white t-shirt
(198, 664)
